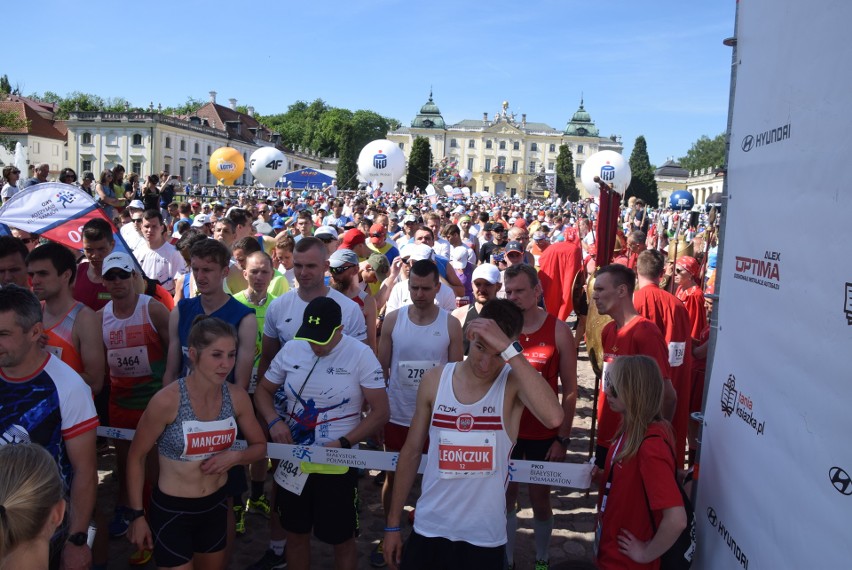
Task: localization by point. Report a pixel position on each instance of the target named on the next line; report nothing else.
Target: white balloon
(465, 174)
(448, 190)
(267, 164)
(610, 167)
(382, 161)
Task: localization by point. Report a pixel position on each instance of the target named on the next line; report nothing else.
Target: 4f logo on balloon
(607, 173)
(380, 160)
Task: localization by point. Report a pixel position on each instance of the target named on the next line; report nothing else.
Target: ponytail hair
(30, 487)
(206, 330)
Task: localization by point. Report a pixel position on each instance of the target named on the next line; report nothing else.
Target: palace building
(506, 153)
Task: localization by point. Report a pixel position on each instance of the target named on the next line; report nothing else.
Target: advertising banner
(774, 488)
(55, 211)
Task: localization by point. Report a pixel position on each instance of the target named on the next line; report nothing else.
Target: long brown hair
(638, 383)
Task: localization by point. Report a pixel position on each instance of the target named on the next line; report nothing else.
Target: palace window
(487, 165)
(471, 143)
(579, 149)
(168, 143)
(553, 148)
(137, 139)
(453, 143)
(534, 147)
(488, 144)
(516, 145)
(86, 138)
(502, 145)
(532, 167)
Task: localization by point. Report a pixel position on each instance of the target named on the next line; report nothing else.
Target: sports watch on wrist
(344, 443)
(512, 350)
(78, 538)
(564, 441)
(131, 515)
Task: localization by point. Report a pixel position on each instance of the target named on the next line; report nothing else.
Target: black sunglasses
(610, 389)
(341, 269)
(119, 274)
(137, 220)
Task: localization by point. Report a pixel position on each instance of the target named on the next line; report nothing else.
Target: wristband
(392, 529)
(344, 443)
(273, 422)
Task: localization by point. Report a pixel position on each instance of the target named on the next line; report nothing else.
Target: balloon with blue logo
(681, 200)
(610, 167)
(267, 164)
(465, 175)
(382, 161)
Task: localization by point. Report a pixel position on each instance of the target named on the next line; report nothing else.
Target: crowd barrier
(573, 475)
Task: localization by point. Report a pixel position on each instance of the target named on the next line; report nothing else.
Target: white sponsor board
(774, 489)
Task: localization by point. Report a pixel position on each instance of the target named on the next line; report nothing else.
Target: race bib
(253, 381)
(290, 476)
(410, 372)
(466, 454)
(205, 439)
(54, 350)
(130, 362)
(677, 350)
(607, 365)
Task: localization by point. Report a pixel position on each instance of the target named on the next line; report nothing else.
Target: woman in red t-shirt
(639, 477)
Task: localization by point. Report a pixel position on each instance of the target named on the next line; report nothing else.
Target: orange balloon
(226, 165)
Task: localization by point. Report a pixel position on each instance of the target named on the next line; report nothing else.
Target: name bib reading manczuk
(202, 440)
(410, 372)
(466, 454)
(129, 362)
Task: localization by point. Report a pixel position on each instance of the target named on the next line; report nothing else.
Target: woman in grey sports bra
(194, 423)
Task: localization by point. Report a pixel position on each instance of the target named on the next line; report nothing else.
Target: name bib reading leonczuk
(129, 362)
(205, 439)
(410, 372)
(466, 454)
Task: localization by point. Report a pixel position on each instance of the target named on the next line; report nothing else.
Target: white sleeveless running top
(416, 349)
(464, 484)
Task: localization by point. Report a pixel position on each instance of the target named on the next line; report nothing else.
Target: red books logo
(465, 458)
(210, 441)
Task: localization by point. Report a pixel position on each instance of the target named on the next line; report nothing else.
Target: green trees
(317, 126)
(347, 167)
(643, 184)
(566, 184)
(705, 153)
(419, 163)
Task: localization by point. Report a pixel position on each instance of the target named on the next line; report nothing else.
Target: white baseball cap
(486, 271)
(118, 260)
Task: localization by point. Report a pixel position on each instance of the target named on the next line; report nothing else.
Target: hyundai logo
(711, 516)
(748, 143)
(840, 480)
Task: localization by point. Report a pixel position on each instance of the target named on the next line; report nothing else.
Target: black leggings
(182, 526)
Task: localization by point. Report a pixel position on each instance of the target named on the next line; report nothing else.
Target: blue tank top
(190, 439)
(231, 312)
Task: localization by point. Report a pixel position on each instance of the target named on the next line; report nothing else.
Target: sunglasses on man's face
(137, 220)
(29, 240)
(118, 274)
(339, 270)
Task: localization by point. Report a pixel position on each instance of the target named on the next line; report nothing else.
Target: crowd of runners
(418, 324)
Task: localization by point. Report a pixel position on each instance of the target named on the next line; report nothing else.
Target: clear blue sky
(652, 68)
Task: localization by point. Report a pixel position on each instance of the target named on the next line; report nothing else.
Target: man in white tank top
(470, 411)
(415, 339)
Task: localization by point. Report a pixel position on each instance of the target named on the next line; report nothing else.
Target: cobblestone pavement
(573, 532)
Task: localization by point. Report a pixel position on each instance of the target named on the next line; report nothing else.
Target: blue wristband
(392, 529)
(273, 422)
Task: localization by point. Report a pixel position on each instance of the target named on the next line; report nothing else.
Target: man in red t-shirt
(549, 346)
(559, 265)
(663, 309)
(627, 334)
